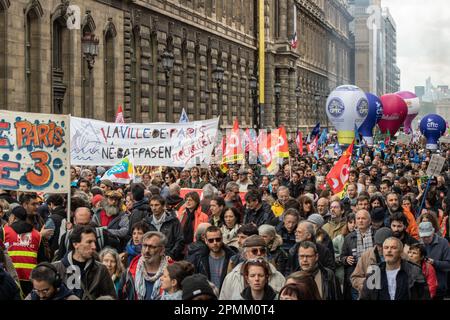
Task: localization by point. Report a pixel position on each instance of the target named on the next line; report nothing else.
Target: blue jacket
(439, 251)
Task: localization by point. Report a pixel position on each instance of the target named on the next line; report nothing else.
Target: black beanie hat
(20, 213)
(196, 285)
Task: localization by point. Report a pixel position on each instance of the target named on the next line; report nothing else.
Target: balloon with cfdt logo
(347, 107)
(413, 103)
(432, 127)
(374, 115)
(395, 111)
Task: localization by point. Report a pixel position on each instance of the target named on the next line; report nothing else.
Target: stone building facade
(43, 69)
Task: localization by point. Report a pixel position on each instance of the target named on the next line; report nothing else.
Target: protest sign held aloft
(35, 153)
(95, 142)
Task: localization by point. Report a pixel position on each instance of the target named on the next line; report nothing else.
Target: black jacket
(331, 289)
(295, 190)
(269, 293)
(263, 215)
(326, 259)
(8, 287)
(280, 259)
(411, 284)
(95, 279)
(288, 238)
(201, 263)
(171, 228)
(194, 249)
(139, 212)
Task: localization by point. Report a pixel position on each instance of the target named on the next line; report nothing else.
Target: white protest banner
(436, 165)
(95, 142)
(35, 152)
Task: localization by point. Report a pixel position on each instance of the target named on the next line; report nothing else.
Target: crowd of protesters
(249, 236)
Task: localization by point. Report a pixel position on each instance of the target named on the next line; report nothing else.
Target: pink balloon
(395, 111)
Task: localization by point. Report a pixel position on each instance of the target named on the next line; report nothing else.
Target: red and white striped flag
(119, 115)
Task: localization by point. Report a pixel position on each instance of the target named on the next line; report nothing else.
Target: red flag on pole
(338, 176)
(233, 151)
(119, 115)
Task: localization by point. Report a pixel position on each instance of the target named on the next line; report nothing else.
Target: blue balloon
(374, 115)
(432, 126)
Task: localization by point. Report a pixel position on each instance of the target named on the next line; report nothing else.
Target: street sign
(404, 139)
(445, 139)
(436, 165)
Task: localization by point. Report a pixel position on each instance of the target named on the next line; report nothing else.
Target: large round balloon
(374, 115)
(413, 103)
(394, 113)
(347, 107)
(432, 127)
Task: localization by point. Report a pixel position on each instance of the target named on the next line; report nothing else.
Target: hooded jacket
(410, 284)
(278, 256)
(63, 293)
(263, 215)
(234, 283)
(57, 216)
(94, 280)
(171, 228)
(117, 227)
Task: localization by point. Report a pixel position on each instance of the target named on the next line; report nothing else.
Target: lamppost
(298, 94)
(253, 82)
(277, 88)
(90, 49)
(217, 74)
(168, 59)
(317, 98)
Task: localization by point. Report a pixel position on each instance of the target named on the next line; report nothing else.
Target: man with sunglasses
(214, 261)
(254, 247)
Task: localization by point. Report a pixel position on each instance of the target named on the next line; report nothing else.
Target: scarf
(158, 222)
(142, 276)
(132, 250)
(362, 244)
(187, 223)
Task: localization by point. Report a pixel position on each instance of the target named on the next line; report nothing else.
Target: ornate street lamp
(167, 61)
(253, 83)
(217, 75)
(90, 48)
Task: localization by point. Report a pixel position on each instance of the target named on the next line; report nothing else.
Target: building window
(109, 71)
(32, 59)
(59, 88)
(135, 82)
(153, 73)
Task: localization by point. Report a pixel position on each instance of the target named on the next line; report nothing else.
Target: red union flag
(338, 175)
(119, 115)
(233, 151)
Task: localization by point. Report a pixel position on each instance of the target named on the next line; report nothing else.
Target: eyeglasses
(150, 247)
(212, 240)
(258, 251)
(43, 291)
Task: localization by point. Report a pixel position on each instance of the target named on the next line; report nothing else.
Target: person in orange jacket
(190, 216)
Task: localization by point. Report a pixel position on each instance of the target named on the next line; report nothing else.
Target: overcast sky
(423, 40)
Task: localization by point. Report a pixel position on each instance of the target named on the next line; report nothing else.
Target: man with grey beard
(109, 216)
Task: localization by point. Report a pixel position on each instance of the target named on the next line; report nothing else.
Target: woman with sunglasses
(256, 275)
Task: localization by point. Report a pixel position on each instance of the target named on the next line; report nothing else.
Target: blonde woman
(110, 258)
